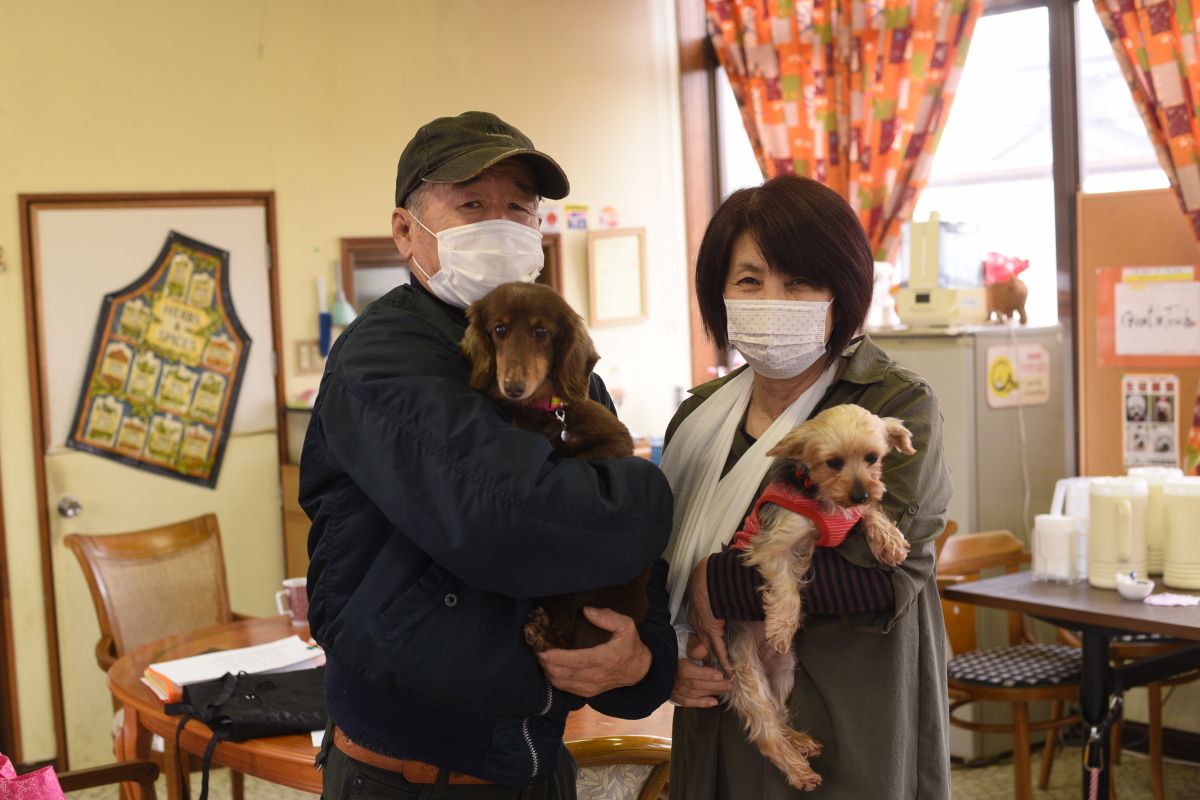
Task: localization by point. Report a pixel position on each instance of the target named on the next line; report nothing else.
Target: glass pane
(1116, 152)
(371, 284)
(994, 163)
(739, 167)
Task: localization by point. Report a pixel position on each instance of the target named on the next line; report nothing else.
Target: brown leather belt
(413, 771)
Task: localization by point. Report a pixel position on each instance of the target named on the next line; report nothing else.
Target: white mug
(1116, 529)
(1181, 502)
(1156, 520)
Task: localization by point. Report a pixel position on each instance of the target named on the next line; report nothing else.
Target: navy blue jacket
(435, 525)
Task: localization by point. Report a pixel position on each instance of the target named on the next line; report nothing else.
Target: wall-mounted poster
(165, 367)
(1148, 317)
(1150, 410)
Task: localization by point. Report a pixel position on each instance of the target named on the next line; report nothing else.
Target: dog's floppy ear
(793, 444)
(898, 436)
(477, 346)
(574, 357)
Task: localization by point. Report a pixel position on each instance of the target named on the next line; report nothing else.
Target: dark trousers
(343, 778)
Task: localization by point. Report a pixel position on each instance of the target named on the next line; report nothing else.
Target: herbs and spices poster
(165, 367)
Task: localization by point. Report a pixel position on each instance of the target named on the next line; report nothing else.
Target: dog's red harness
(831, 527)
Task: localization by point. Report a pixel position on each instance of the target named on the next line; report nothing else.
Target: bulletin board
(1123, 230)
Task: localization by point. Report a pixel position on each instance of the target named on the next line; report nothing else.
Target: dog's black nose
(514, 390)
(858, 493)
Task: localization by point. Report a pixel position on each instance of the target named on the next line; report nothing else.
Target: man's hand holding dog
(697, 685)
(621, 661)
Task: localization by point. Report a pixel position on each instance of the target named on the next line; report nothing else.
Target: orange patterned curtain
(853, 93)
(1155, 44)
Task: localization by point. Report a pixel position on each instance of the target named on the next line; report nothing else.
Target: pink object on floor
(40, 784)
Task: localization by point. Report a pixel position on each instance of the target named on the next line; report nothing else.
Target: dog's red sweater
(831, 527)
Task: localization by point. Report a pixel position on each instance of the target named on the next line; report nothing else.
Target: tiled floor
(993, 782)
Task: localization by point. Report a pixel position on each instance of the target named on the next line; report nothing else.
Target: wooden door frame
(701, 184)
(30, 204)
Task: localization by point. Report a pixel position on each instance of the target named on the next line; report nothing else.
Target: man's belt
(412, 770)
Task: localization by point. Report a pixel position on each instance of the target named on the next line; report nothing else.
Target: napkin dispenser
(1055, 549)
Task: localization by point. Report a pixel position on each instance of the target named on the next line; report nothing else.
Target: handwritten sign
(165, 367)
(1153, 316)
(1148, 316)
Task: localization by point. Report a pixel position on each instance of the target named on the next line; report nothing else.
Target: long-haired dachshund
(827, 477)
(530, 352)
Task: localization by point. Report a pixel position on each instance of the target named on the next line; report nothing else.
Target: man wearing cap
(436, 522)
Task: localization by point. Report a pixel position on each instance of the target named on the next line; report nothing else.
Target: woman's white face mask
(480, 256)
(778, 338)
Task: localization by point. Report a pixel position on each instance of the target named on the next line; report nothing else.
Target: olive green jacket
(872, 686)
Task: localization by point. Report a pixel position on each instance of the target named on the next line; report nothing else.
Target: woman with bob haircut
(784, 275)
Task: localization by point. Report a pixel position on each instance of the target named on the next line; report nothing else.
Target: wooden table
(286, 760)
(1100, 614)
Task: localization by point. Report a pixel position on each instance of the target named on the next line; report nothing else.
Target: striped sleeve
(835, 587)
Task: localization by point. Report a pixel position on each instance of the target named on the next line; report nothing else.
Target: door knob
(69, 507)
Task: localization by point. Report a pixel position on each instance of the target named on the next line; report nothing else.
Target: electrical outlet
(308, 357)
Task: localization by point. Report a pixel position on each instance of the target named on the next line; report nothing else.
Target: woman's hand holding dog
(709, 630)
(695, 684)
(621, 661)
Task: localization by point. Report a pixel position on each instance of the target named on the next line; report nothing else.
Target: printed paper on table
(167, 679)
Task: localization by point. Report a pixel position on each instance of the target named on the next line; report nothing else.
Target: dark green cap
(456, 149)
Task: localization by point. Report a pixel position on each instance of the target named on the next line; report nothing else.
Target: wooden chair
(143, 773)
(1133, 647)
(148, 585)
(622, 767)
(1024, 672)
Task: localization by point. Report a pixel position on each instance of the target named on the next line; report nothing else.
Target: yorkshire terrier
(825, 481)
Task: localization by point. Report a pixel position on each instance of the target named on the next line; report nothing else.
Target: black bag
(251, 706)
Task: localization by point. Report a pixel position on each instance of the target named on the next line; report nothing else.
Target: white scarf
(709, 508)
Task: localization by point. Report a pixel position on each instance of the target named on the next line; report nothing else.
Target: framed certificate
(616, 276)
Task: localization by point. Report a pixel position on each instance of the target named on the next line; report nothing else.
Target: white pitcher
(1181, 499)
(1116, 529)
(1156, 520)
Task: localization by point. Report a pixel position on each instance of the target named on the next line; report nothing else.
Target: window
(1116, 152)
(994, 165)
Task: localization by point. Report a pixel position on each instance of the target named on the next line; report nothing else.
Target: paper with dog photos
(165, 367)
(1149, 420)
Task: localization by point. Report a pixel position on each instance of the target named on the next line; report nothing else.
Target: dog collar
(552, 403)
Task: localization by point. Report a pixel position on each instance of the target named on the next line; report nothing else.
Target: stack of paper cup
(1054, 544)
(1156, 520)
(1071, 498)
(1116, 529)
(1181, 500)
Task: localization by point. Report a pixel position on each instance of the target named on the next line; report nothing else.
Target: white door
(80, 254)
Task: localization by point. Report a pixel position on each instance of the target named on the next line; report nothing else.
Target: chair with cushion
(148, 585)
(1024, 672)
(622, 767)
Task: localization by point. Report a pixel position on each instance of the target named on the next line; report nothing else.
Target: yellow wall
(315, 100)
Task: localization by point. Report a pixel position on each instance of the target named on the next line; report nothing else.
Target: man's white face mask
(778, 338)
(478, 257)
